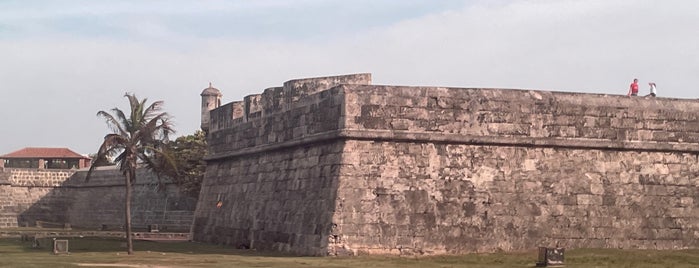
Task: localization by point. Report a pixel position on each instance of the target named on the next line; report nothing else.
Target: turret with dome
(210, 99)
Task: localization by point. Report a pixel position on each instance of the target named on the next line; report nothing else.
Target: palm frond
(124, 120)
(113, 123)
(154, 107)
(109, 145)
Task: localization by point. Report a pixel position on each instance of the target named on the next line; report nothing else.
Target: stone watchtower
(210, 99)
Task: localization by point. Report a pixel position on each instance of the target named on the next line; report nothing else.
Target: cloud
(566, 45)
(56, 82)
(205, 19)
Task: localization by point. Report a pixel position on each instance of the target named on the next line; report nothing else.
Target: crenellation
(221, 117)
(301, 120)
(238, 110)
(274, 99)
(299, 88)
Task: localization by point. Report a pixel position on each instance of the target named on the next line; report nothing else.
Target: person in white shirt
(652, 89)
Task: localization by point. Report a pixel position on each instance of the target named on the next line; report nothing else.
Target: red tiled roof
(30, 152)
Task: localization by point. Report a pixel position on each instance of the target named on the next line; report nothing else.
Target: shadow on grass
(104, 244)
(98, 244)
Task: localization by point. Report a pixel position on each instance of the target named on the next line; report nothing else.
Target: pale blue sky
(62, 61)
(149, 20)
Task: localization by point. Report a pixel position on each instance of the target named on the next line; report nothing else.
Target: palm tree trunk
(129, 241)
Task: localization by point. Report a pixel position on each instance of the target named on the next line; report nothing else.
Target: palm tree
(137, 139)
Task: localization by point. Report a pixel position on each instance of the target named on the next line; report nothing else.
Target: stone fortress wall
(275, 173)
(336, 165)
(63, 196)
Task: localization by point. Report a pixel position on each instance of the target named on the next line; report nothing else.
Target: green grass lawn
(104, 252)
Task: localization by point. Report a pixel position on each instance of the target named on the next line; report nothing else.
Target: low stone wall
(8, 215)
(103, 203)
(26, 188)
(63, 196)
(26, 177)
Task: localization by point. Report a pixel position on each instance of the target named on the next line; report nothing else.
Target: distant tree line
(188, 153)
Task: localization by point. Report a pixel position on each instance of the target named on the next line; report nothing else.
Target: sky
(63, 61)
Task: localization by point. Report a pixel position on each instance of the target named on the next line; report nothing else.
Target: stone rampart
(430, 170)
(63, 196)
(522, 117)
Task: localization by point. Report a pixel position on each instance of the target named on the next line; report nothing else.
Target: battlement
(278, 99)
(350, 107)
(300, 108)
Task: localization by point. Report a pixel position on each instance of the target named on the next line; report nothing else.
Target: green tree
(136, 139)
(188, 154)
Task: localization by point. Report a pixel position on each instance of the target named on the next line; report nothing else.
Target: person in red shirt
(633, 88)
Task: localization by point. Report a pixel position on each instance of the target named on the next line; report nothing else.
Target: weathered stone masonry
(21, 189)
(63, 196)
(339, 166)
(275, 173)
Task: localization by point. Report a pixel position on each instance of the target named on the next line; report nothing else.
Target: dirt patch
(121, 265)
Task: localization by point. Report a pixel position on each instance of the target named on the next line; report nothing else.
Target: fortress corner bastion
(339, 166)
